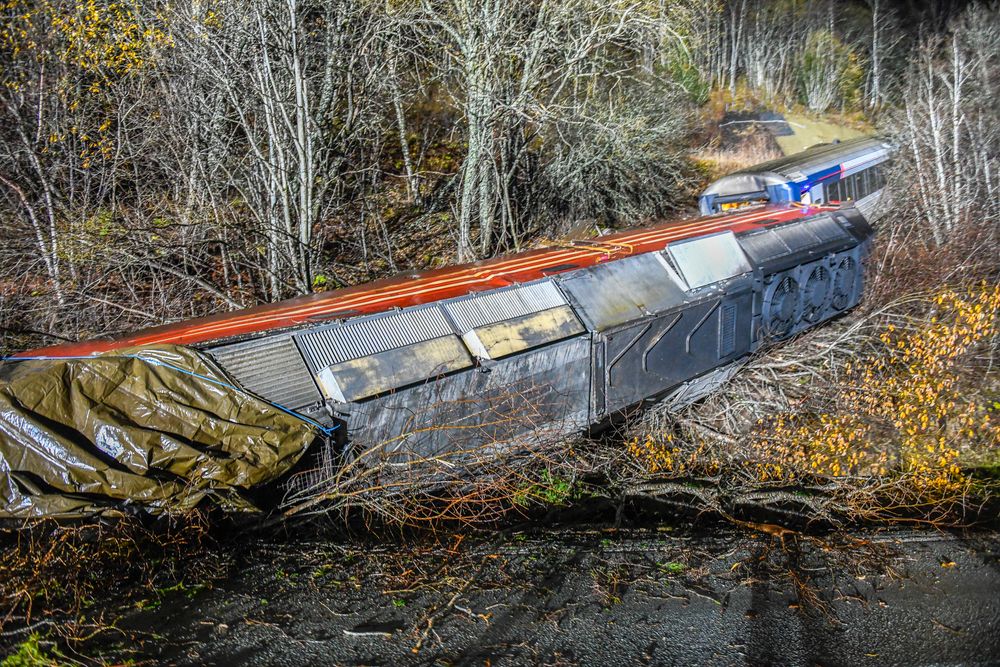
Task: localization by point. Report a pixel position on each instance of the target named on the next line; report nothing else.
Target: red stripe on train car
(427, 287)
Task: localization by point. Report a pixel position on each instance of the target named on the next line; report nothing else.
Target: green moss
(672, 567)
(551, 490)
(30, 654)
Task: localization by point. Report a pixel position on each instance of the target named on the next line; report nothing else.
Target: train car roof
(426, 287)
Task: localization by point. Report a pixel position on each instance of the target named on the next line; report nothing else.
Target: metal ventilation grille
(271, 368)
(505, 304)
(353, 340)
(763, 246)
(797, 236)
(827, 229)
(727, 330)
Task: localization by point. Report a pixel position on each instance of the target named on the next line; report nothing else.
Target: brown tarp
(84, 435)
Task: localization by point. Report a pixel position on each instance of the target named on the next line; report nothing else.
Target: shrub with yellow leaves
(904, 411)
(902, 407)
(79, 49)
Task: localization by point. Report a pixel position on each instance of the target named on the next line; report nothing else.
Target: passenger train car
(850, 171)
(538, 344)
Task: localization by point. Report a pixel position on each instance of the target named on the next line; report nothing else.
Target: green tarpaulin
(80, 436)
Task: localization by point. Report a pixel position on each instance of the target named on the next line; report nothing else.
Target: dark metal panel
(699, 387)
(270, 367)
(539, 395)
(827, 230)
(797, 236)
(854, 222)
(649, 358)
(611, 294)
(763, 246)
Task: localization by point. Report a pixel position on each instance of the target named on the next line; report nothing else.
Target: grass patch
(30, 653)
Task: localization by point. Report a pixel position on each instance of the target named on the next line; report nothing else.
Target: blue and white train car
(849, 171)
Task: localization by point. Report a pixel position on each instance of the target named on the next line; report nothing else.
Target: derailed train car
(534, 345)
(852, 171)
(585, 334)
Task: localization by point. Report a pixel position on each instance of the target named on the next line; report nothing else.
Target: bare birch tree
(292, 76)
(947, 127)
(519, 68)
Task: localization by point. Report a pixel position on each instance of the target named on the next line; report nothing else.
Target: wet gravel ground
(659, 595)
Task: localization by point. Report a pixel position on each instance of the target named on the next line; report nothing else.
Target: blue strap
(327, 431)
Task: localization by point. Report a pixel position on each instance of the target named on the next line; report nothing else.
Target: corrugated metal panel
(868, 205)
(797, 236)
(343, 342)
(763, 246)
(494, 341)
(271, 368)
(611, 294)
(489, 308)
(827, 229)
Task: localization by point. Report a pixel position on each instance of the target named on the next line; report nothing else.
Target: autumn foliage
(915, 409)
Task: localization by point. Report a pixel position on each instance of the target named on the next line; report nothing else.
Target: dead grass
(756, 146)
(66, 582)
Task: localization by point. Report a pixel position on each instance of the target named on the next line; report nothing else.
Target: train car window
(878, 177)
(831, 191)
(708, 259)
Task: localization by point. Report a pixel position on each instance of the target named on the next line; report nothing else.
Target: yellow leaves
(655, 455)
(212, 20)
(907, 394)
(901, 410)
(102, 40)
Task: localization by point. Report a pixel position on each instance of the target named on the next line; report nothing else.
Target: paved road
(593, 597)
